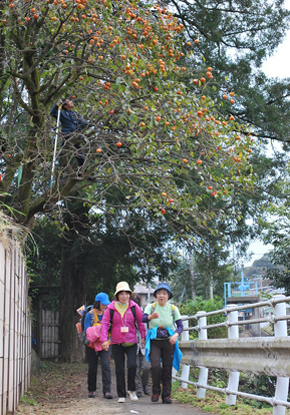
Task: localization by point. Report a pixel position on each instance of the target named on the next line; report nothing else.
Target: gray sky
(277, 66)
(258, 249)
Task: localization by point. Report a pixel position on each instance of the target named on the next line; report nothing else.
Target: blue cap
(103, 298)
(163, 286)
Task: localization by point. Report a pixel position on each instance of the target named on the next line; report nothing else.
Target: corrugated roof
(142, 289)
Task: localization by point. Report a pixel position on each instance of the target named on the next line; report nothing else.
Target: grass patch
(215, 402)
(28, 400)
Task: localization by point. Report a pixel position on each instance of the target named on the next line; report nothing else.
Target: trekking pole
(55, 145)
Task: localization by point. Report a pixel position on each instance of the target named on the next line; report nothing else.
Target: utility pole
(210, 262)
(211, 285)
(191, 274)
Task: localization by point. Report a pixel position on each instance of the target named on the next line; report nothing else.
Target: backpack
(80, 325)
(153, 306)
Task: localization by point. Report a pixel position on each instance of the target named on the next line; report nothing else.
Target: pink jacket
(94, 336)
(126, 321)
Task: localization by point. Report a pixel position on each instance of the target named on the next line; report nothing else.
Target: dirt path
(62, 389)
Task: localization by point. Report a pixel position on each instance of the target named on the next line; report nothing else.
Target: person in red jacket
(123, 313)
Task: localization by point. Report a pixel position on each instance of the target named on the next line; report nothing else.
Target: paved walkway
(143, 407)
(62, 389)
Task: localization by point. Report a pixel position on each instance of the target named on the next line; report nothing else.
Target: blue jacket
(70, 120)
(151, 335)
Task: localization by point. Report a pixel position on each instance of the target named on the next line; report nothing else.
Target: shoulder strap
(173, 312)
(95, 318)
(133, 309)
(111, 318)
(111, 314)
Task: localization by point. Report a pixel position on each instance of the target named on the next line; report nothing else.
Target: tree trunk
(73, 285)
(191, 272)
(211, 286)
(72, 296)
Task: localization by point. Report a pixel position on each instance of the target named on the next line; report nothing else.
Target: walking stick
(55, 145)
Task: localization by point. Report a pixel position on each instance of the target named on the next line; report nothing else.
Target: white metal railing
(258, 355)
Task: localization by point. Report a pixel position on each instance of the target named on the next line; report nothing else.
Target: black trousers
(119, 353)
(92, 359)
(73, 141)
(161, 350)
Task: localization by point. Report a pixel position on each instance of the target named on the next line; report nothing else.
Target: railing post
(234, 376)
(203, 371)
(282, 384)
(185, 368)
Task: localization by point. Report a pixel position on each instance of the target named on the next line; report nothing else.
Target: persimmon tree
(148, 131)
(156, 142)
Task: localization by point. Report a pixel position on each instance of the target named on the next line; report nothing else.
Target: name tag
(124, 329)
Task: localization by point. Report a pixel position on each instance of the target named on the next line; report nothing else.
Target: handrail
(231, 308)
(270, 320)
(268, 355)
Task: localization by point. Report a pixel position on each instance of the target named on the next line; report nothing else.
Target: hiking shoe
(121, 400)
(154, 398)
(108, 395)
(146, 390)
(166, 399)
(92, 394)
(132, 395)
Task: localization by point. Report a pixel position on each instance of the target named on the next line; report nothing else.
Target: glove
(59, 103)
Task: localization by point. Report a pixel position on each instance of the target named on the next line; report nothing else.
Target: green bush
(191, 307)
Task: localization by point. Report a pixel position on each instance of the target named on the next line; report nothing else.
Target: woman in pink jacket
(121, 314)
